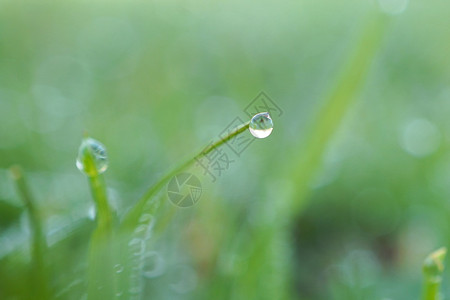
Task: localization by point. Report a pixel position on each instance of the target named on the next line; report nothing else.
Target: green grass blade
(101, 278)
(131, 219)
(101, 250)
(39, 277)
(303, 170)
(337, 103)
(433, 267)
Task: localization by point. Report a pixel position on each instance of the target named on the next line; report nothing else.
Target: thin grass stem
(39, 276)
(101, 278)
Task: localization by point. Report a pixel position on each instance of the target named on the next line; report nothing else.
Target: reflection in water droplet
(118, 268)
(153, 264)
(261, 125)
(98, 152)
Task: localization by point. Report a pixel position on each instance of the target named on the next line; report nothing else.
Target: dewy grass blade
(39, 276)
(92, 161)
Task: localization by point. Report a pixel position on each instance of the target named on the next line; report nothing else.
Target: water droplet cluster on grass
(261, 125)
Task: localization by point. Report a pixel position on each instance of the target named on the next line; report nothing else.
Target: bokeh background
(157, 81)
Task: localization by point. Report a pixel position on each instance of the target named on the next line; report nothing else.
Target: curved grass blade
(131, 219)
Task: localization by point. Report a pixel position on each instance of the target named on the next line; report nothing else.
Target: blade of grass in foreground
(433, 267)
(337, 104)
(101, 278)
(130, 238)
(101, 252)
(39, 277)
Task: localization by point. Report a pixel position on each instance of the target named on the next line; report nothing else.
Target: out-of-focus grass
(38, 280)
(154, 81)
(433, 267)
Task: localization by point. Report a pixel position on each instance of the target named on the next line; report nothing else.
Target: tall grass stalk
(301, 172)
(101, 278)
(38, 274)
(340, 99)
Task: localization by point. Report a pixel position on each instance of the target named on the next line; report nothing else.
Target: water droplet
(118, 268)
(92, 158)
(145, 218)
(137, 246)
(261, 125)
(153, 264)
(185, 279)
(140, 228)
(144, 231)
(421, 138)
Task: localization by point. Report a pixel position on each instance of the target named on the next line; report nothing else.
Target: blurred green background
(157, 81)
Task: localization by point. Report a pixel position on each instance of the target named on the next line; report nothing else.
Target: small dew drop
(99, 157)
(137, 246)
(261, 125)
(118, 268)
(420, 138)
(185, 280)
(154, 264)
